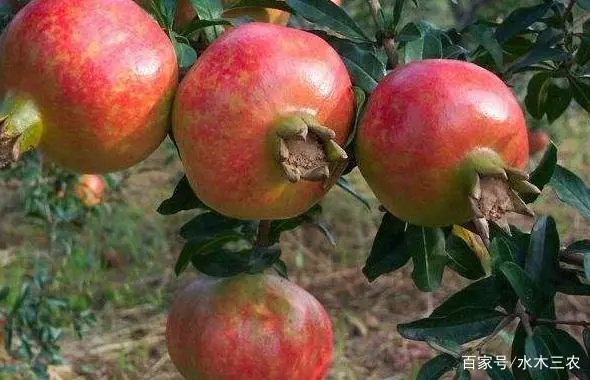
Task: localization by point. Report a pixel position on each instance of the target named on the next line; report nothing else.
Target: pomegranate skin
(248, 327)
(226, 109)
(538, 141)
(105, 75)
(90, 189)
(419, 128)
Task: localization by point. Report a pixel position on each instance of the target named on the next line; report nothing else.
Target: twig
(560, 322)
(263, 238)
(388, 41)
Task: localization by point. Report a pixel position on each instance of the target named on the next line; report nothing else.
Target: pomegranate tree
(101, 94)
(259, 121)
(248, 327)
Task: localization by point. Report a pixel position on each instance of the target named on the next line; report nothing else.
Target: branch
(388, 42)
(262, 239)
(560, 322)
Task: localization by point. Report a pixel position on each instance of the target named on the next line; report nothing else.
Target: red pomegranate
(100, 97)
(442, 142)
(538, 141)
(248, 327)
(90, 189)
(258, 120)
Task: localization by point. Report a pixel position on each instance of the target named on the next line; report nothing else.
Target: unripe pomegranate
(90, 189)
(76, 80)
(258, 120)
(442, 142)
(248, 327)
(538, 141)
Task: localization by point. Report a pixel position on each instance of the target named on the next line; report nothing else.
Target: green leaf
(281, 268)
(584, 3)
(185, 54)
(345, 185)
(398, 7)
(182, 199)
(274, 4)
(543, 172)
(204, 226)
(500, 252)
(536, 96)
(496, 372)
(436, 367)
(529, 293)
(389, 251)
(568, 346)
(518, 352)
(570, 283)
(560, 99)
(277, 227)
(541, 53)
(209, 10)
(263, 258)
(197, 24)
(4, 292)
(329, 15)
(164, 11)
(546, 334)
(586, 337)
(427, 247)
(463, 326)
(462, 374)
(581, 92)
(583, 53)
(520, 19)
(535, 347)
(542, 262)
(485, 293)
(203, 248)
(484, 36)
(424, 40)
(361, 60)
(222, 263)
(462, 259)
(359, 99)
(571, 190)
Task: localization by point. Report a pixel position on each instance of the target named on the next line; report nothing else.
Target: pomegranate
(258, 120)
(538, 141)
(90, 189)
(101, 95)
(442, 142)
(248, 327)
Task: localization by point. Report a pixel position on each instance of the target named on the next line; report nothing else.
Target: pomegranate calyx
(496, 191)
(306, 150)
(21, 127)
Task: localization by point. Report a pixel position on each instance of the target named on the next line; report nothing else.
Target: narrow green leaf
(581, 92)
(361, 60)
(207, 225)
(197, 24)
(398, 8)
(538, 54)
(262, 258)
(570, 283)
(543, 172)
(185, 54)
(581, 246)
(571, 190)
(345, 185)
(389, 251)
(485, 293)
(520, 19)
(462, 259)
(462, 374)
(436, 367)
(536, 96)
(568, 346)
(497, 372)
(586, 337)
(484, 36)
(560, 99)
(277, 227)
(518, 352)
(463, 326)
(222, 263)
(182, 199)
(583, 53)
(542, 262)
(427, 247)
(209, 10)
(274, 4)
(4, 291)
(360, 98)
(531, 296)
(534, 348)
(203, 247)
(329, 15)
(500, 252)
